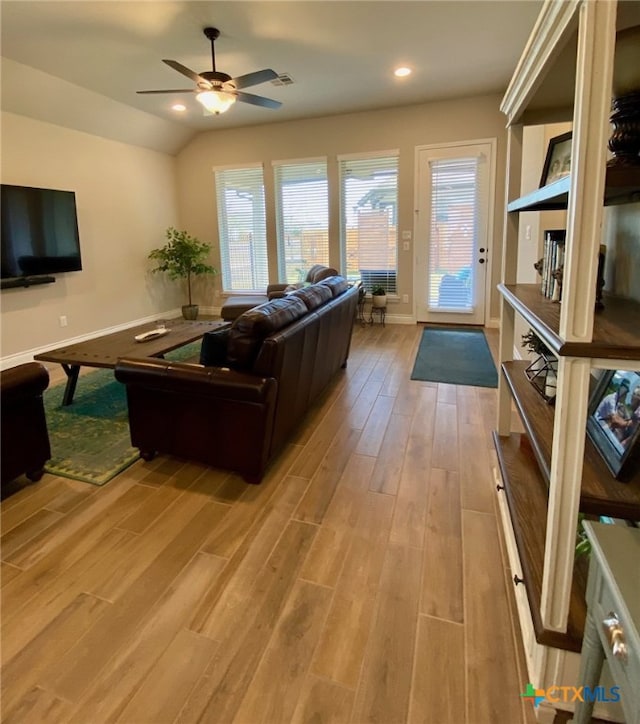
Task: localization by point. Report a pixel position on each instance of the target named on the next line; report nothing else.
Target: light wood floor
(362, 581)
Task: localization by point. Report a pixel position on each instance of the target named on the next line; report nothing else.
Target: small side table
(613, 617)
(360, 316)
(380, 312)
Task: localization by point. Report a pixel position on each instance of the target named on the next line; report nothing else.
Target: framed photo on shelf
(613, 422)
(557, 163)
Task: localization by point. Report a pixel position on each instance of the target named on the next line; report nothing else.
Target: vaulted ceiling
(79, 64)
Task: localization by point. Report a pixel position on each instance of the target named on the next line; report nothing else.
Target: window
(368, 219)
(454, 231)
(242, 229)
(302, 214)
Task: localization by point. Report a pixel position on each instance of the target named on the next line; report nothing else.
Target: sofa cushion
(314, 295)
(249, 329)
(213, 350)
(337, 284)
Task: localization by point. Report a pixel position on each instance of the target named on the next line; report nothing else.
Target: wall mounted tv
(39, 235)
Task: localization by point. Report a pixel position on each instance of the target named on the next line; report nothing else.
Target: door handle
(615, 635)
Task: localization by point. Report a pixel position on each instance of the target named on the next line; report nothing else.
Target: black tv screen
(39, 232)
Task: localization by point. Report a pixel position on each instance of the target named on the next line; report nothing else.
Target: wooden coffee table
(105, 351)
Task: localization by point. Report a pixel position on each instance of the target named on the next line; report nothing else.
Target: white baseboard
(398, 319)
(28, 355)
(410, 319)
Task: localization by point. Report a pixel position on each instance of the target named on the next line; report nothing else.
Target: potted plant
(379, 296)
(181, 258)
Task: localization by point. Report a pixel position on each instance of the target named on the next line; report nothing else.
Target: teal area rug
(90, 438)
(456, 355)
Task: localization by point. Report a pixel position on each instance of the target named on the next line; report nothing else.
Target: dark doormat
(456, 355)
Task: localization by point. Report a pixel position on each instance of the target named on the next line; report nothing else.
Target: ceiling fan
(217, 91)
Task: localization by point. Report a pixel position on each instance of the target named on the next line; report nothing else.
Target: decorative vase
(190, 311)
(624, 142)
(379, 300)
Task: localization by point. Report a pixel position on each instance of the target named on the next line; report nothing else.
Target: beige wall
(401, 128)
(125, 196)
(622, 239)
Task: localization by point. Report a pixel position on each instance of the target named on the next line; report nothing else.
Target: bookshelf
(551, 472)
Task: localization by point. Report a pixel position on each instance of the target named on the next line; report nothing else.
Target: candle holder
(624, 142)
(625, 117)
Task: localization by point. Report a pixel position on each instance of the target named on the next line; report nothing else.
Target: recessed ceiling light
(180, 107)
(402, 72)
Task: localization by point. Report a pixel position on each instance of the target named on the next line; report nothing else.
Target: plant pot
(379, 300)
(190, 311)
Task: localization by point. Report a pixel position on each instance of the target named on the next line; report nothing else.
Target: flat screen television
(39, 233)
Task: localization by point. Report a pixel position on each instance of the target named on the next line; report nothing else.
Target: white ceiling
(79, 64)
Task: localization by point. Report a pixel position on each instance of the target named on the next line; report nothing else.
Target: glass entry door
(452, 233)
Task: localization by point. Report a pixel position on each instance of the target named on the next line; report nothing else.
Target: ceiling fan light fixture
(215, 101)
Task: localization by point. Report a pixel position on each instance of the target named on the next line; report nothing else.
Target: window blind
(454, 222)
(302, 217)
(368, 220)
(242, 229)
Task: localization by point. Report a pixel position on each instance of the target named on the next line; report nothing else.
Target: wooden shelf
(559, 78)
(622, 186)
(615, 328)
(526, 492)
(548, 198)
(601, 493)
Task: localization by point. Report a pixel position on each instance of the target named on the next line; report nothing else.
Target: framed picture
(557, 164)
(613, 422)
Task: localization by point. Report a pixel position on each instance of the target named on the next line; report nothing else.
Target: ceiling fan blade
(175, 90)
(259, 76)
(186, 71)
(257, 100)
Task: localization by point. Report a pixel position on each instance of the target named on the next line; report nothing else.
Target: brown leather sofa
(316, 274)
(258, 379)
(25, 439)
(234, 306)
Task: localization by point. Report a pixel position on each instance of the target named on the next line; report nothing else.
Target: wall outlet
(405, 299)
(406, 245)
(63, 320)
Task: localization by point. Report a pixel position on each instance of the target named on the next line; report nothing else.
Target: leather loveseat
(316, 274)
(25, 438)
(256, 381)
(234, 306)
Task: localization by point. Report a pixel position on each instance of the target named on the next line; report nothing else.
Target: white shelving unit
(552, 472)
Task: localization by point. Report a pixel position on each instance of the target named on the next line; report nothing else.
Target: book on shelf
(552, 263)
